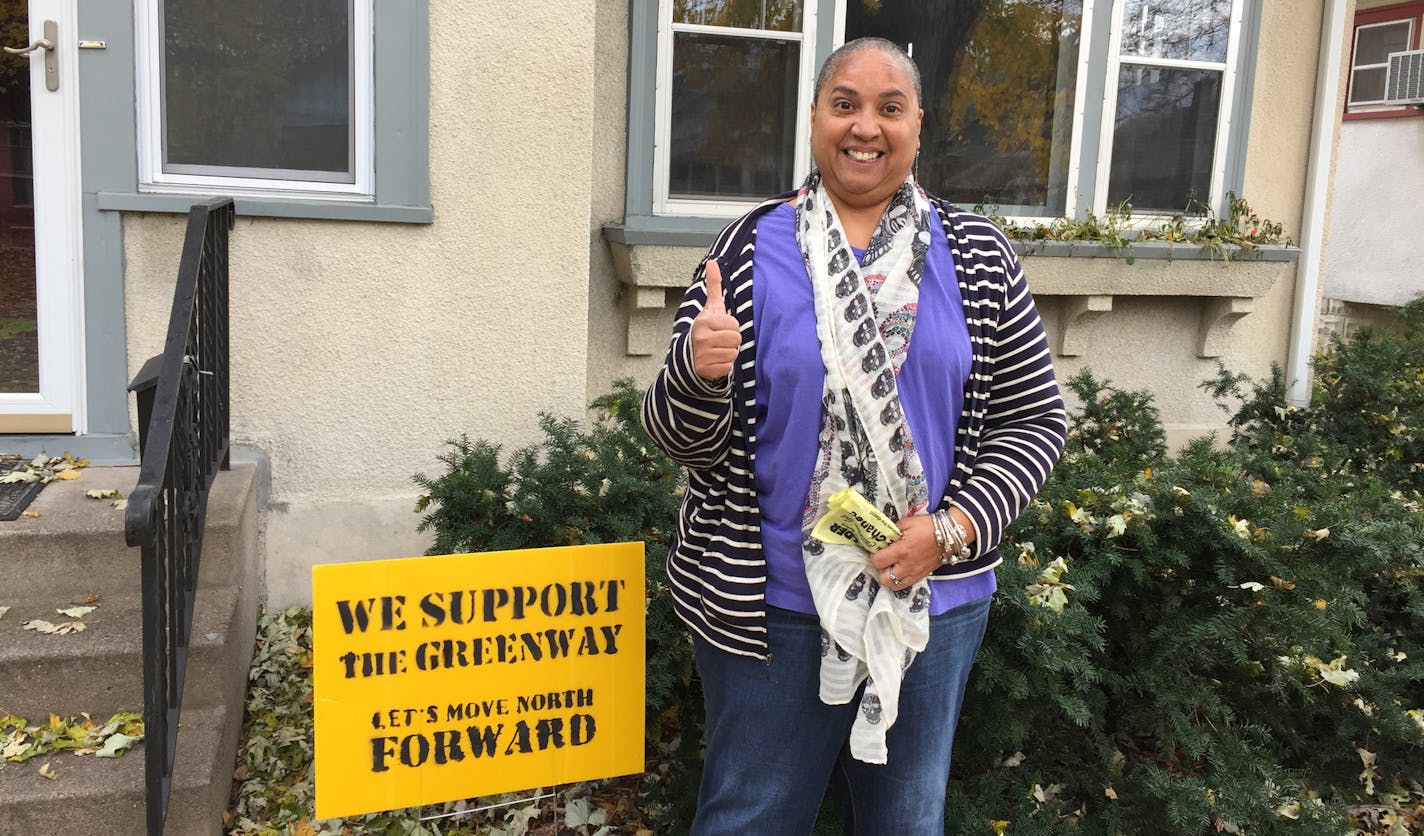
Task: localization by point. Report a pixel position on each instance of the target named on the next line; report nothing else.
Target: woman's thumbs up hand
(716, 334)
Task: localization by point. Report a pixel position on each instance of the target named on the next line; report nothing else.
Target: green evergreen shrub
(606, 484)
(1227, 640)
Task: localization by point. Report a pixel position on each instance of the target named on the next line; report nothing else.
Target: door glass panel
(19, 334)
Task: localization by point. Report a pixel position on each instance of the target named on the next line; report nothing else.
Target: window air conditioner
(1404, 80)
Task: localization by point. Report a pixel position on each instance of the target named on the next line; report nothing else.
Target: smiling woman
(842, 341)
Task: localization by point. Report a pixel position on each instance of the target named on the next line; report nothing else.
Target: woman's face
(865, 129)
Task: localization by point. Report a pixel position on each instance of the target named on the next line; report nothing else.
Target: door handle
(51, 37)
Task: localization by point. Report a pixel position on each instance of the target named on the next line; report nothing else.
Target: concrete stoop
(72, 550)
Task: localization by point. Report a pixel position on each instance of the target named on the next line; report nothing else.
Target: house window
(1168, 100)
(732, 102)
(260, 97)
(1379, 32)
(1045, 108)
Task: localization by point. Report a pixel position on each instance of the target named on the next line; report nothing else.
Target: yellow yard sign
(441, 678)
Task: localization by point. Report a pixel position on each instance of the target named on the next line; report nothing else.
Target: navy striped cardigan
(1010, 433)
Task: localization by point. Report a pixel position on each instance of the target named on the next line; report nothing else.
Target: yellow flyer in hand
(851, 519)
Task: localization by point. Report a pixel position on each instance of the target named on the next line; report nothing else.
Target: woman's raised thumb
(714, 287)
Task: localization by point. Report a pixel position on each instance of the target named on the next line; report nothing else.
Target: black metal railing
(183, 442)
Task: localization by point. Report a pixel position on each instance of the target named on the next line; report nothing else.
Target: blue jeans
(772, 745)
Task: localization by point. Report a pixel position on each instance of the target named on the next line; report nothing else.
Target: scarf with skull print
(865, 315)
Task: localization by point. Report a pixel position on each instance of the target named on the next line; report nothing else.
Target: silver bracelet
(953, 534)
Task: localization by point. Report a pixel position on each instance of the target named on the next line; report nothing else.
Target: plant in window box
(1198, 224)
(1111, 230)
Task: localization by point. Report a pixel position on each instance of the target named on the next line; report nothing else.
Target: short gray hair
(849, 48)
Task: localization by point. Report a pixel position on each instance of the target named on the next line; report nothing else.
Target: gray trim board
(669, 231)
(107, 160)
(270, 207)
(1234, 166)
(642, 75)
(100, 449)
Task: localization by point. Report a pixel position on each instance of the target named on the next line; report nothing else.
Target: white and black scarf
(865, 315)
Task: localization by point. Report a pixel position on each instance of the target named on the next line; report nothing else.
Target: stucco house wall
(1376, 212)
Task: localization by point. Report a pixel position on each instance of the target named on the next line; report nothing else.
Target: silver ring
(895, 580)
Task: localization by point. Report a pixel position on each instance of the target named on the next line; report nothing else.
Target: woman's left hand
(914, 556)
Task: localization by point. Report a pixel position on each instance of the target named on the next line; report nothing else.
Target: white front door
(41, 322)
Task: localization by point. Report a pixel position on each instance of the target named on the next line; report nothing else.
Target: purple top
(789, 380)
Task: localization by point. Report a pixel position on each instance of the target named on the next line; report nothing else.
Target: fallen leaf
(39, 625)
(106, 493)
(19, 476)
(76, 612)
(91, 599)
(3, 610)
(66, 475)
(116, 745)
(120, 504)
(46, 772)
(31, 514)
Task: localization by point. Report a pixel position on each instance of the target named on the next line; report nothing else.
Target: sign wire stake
(489, 807)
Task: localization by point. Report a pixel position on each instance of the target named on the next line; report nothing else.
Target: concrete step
(93, 795)
(73, 549)
(101, 669)
(76, 546)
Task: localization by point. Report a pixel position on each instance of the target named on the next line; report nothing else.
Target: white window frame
(153, 179)
(663, 203)
(1115, 62)
(1084, 174)
(1350, 104)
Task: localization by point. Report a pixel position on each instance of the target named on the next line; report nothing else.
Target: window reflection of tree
(734, 116)
(999, 85)
(1195, 30)
(777, 15)
(253, 84)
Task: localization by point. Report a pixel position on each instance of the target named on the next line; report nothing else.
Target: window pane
(1164, 137)
(262, 84)
(777, 15)
(1373, 44)
(734, 117)
(1367, 85)
(1188, 30)
(999, 84)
